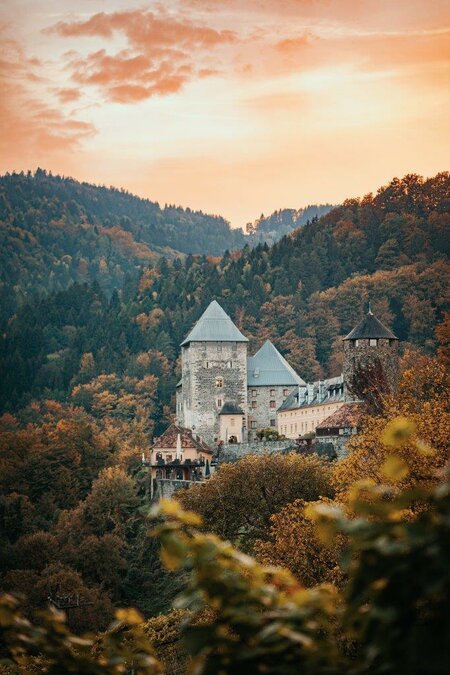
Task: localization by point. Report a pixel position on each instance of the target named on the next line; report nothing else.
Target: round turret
(370, 358)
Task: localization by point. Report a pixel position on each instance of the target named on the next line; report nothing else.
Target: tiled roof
(370, 327)
(315, 393)
(348, 416)
(230, 408)
(268, 368)
(214, 325)
(169, 439)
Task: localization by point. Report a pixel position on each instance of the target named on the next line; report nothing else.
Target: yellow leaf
(395, 468)
(398, 432)
(425, 449)
(129, 616)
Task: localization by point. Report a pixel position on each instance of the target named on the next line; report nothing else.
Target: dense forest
(55, 231)
(87, 377)
(304, 293)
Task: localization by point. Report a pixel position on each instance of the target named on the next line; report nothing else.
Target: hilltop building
(223, 393)
(308, 406)
(336, 430)
(270, 380)
(178, 455)
(370, 348)
(370, 351)
(226, 396)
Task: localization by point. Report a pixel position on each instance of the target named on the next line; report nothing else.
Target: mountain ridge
(57, 231)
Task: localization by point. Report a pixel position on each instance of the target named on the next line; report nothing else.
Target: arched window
(219, 382)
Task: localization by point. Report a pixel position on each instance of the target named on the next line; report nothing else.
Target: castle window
(356, 343)
(252, 425)
(254, 393)
(219, 403)
(285, 392)
(219, 382)
(272, 423)
(253, 404)
(272, 392)
(272, 404)
(373, 343)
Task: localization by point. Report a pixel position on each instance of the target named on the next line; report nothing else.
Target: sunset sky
(234, 107)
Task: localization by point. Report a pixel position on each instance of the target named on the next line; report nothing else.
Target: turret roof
(267, 367)
(214, 325)
(370, 327)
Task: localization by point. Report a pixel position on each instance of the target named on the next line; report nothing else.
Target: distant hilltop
(271, 228)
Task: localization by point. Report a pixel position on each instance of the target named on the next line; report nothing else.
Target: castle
(226, 395)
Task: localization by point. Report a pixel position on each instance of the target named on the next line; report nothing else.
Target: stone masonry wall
(233, 452)
(260, 417)
(363, 354)
(165, 488)
(203, 363)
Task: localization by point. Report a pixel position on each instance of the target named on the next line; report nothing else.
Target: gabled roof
(268, 368)
(214, 325)
(231, 408)
(348, 416)
(370, 327)
(169, 439)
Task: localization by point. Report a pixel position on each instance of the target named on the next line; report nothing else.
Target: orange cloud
(164, 53)
(31, 127)
(143, 27)
(68, 95)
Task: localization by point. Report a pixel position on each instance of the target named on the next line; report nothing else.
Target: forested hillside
(269, 229)
(54, 231)
(118, 356)
(87, 377)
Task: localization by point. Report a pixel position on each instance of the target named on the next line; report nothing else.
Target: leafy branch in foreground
(50, 647)
(263, 620)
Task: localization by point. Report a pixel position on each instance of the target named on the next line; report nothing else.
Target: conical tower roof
(370, 327)
(267, 367)
(214, 325)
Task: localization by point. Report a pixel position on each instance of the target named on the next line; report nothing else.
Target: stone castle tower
(370, 345)
(214, 371)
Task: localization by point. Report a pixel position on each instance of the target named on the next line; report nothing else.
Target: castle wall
(260, 413)
(213, 373)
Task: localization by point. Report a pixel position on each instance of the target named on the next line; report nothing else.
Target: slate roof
(370, 327)
(331, 391)
(230, 408)
(348, 416)
(169, 439)
(214, 325)
(268, 368)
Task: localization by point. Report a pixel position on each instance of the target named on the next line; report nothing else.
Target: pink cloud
(31, 126)
(163, 54)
